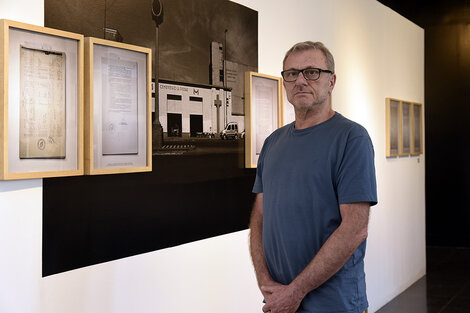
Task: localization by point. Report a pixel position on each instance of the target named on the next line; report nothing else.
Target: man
(315, 183)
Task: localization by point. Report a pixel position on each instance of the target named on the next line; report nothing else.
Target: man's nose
(301, 79)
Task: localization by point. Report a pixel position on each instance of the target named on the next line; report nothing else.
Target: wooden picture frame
(417, 129)
(393, 127)
(41, 94)
(118, 116)
(264, 112)
(404, 128)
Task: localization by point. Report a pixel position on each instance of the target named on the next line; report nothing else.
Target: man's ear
(332, 81)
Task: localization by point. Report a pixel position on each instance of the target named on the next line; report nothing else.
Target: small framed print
(405, 113)
(393, 127)
(404, 128)
(263, 112)
(416, 128)
(118, 126)
(41, 92)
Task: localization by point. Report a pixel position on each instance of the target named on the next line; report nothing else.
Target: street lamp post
(157, 130)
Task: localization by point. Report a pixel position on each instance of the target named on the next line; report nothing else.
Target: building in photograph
(192, 110)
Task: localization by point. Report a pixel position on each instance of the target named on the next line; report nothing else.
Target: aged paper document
(119, 106)
(42, 104)
(264, 103)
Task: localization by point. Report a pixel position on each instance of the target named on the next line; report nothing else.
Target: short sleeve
(356, 181)
(258, 185)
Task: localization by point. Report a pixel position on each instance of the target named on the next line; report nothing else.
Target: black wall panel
(93, 219)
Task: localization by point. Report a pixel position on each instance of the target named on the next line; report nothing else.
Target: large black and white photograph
(201, 50)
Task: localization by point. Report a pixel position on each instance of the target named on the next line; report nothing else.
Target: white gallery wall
(378, 54)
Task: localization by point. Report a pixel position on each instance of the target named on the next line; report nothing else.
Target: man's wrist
(297, 290)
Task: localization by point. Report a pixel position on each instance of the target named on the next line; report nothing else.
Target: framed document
(118, 126)
(404, 128)
(263, 112)
(42, 102)
(393, 126)
(416, 128)
(405, 112)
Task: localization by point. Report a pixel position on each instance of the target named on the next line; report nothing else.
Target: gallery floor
(445, 288)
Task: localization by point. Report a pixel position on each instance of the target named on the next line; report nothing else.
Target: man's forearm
(256, 243)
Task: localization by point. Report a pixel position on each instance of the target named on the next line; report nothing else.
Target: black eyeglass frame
(302, 71)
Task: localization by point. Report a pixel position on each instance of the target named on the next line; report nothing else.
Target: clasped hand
(280, 299)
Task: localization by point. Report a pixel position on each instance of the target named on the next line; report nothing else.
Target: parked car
(230, 131)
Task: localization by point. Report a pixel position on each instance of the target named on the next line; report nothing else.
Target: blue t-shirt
(304, 174)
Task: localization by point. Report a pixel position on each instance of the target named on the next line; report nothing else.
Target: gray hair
(310, 45)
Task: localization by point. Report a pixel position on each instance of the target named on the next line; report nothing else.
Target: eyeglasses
(308, 73)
